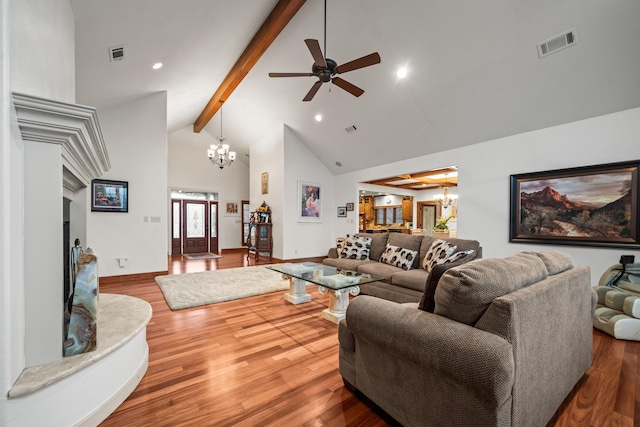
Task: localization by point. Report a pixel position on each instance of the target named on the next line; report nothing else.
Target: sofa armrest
(475, 360)
(333, 253)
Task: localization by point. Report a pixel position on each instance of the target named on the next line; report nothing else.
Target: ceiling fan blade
(313, 91)
(290, 74)
(365, 61)
(349, 87)
(316, 52)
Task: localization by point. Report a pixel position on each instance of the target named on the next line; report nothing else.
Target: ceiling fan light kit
(325, 69)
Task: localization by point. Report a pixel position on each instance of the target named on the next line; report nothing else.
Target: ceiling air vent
(351, 129)
(116, 53)
(556, 43)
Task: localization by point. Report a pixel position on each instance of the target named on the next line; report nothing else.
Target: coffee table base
(297, 291)
(338, 302)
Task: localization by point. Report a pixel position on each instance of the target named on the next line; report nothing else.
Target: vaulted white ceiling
(473, 69)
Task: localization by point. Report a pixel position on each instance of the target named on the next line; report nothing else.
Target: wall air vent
(556, 43)
(351, 129)
(116, 53)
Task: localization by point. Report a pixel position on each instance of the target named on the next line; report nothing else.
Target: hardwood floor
(260, 361)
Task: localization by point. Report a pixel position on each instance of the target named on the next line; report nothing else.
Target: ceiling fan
(326, 69)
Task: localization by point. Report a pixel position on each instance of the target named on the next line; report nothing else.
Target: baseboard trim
(105, 280)
(243, 249)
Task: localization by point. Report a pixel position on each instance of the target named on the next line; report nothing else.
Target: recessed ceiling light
(401, 73)
(318, 117)
(157, 65)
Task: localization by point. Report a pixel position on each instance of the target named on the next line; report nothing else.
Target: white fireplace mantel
(74, 127)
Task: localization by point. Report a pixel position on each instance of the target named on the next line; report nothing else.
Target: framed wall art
(585, 206)
(264, 182)
(109, 196)
(350, 206)
(342, 211)
(309, 202)
(231, 208)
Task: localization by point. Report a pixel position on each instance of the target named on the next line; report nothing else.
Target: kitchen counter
(389, 230)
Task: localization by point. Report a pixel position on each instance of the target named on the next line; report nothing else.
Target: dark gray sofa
(508, 340)
(402, 285)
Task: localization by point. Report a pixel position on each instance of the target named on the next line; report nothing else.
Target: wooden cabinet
(260, 236)
(407, 208)
(260, 239)
(366, 207)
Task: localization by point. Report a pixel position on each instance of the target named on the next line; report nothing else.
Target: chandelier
(446, 199)
(219, 154)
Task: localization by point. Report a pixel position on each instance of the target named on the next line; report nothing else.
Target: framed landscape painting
(309, 202)
(585, 206)
(109, 196)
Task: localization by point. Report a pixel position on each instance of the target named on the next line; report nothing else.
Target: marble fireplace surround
(63, 150)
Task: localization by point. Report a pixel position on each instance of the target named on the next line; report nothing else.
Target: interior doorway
(428, 213)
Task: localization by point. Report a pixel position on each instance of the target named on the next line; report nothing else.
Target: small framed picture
(349, 206)
(231, 209)
(264, 181)
(109, 196)
(342, 211)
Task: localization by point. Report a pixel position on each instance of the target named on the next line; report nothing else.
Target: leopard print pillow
(398, 257)
(456, 256)
(437, 254)
(353, 247)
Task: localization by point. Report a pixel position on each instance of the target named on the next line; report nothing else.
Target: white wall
(267, 155)
(307, 239)
(484, 170)
(42, 247)
(135, 134)
(288, 160)
(43, 49)
(190, 169)
(36, 57)
(11, 249)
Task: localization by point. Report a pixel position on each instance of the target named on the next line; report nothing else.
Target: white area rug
(206, 255)
(208, 287)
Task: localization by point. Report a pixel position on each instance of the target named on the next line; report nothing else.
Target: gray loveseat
(402, 285)
(508, 340)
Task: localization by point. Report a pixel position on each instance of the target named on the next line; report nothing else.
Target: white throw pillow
(437, 254)
(398, 257)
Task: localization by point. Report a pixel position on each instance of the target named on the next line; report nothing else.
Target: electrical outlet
(155, 219)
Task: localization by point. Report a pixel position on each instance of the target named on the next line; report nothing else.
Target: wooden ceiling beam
(421, 178)
(279, 17)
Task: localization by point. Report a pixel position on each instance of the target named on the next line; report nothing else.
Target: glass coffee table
(338, 283)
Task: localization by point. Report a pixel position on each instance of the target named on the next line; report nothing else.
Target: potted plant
(441, 229)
